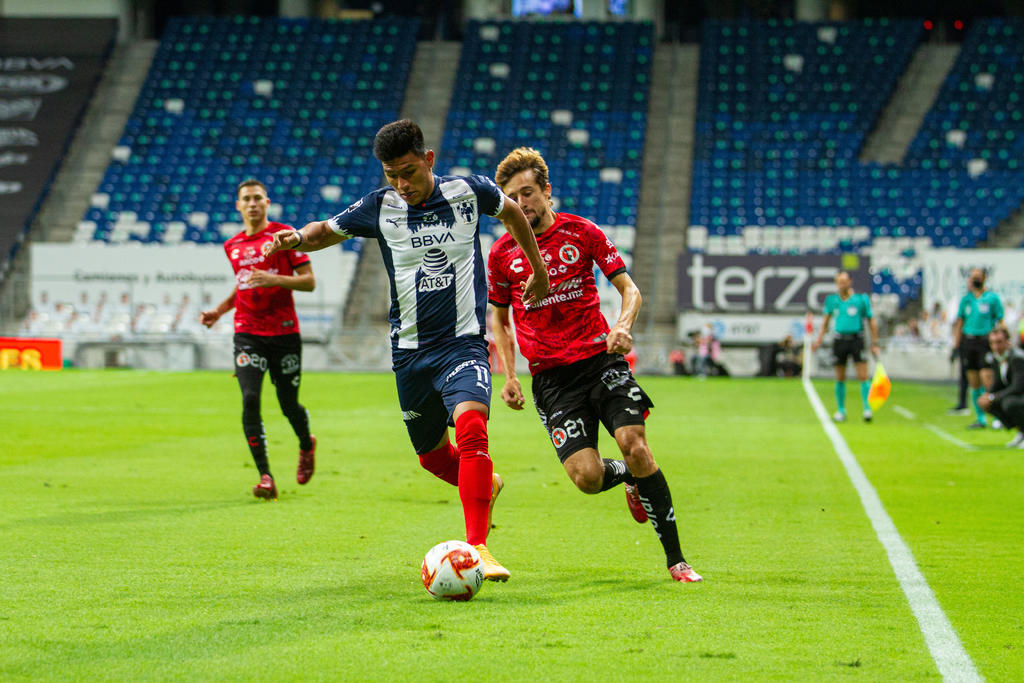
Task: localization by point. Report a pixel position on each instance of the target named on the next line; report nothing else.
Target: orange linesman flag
(880, 387)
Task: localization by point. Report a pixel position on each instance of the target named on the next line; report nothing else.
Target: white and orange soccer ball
(452, 570)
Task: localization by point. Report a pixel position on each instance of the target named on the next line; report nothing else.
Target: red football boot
(307, 463)
(266, 488)
(684, 573)
(636, 508)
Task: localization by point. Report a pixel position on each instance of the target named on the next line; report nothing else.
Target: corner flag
(880, 387)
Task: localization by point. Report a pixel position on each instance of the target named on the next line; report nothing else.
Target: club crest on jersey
(467, 209)
(558, 437)
(569, 254)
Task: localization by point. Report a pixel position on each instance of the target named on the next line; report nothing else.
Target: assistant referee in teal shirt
(850, 310)
(979, 312)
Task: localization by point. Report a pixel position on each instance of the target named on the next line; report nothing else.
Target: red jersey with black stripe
(567, 325)
(263, 311)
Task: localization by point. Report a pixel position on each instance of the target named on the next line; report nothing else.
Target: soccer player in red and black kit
(266, 330)
(580, 377)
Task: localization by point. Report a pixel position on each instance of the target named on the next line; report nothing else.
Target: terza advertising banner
(48, 70)
(759, 299)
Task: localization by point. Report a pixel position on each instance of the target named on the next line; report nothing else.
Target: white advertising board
(156, 274)
(945, 271)
(745, 329)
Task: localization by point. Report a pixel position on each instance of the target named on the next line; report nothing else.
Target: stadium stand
(48, 72)
(294, 102)
(511, 91)
(784, 109)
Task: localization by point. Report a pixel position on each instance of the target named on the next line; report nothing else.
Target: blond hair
(519, 160)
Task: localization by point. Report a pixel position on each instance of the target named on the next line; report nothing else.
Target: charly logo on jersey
(432, 275)
(569, 254)
(851, 310)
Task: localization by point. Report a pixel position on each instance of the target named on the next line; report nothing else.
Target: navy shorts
(432, 381)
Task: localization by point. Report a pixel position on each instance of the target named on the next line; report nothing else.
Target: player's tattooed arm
(536, 286)
(311, 237)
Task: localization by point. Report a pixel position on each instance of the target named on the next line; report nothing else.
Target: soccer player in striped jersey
(427, 227)
(850, 310)
(266, 330)
(580, 377)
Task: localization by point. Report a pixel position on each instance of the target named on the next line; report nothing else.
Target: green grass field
(131, 547)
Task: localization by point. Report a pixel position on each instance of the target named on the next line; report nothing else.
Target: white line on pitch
(946, 436)
(939, 635)
(904, 412)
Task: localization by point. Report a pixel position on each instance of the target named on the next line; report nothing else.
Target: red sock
(475, 470)
(442, 463)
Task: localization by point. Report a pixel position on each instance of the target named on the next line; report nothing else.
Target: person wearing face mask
(980, 311)
(1004, 383)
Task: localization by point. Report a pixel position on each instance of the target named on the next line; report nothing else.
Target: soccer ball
(452, 571)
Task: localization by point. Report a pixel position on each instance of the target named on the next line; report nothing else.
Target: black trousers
(1010, 411)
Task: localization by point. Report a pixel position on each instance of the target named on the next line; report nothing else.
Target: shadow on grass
(129, 514)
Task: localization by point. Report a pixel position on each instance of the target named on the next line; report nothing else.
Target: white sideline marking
(946, 436)
(943, 643)
(904, 412)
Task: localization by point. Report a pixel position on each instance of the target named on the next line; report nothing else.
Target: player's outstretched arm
(504, 344)
(311, 237)
(209, 318)
(536, 286)
(619, 339)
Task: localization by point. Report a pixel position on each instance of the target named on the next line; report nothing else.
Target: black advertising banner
(761, 283)
(48, 71)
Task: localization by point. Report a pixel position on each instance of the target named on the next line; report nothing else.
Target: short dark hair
(397, 139)
(250, 181)
(999, 329)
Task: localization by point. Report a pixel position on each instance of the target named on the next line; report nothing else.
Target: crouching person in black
(1003, 377)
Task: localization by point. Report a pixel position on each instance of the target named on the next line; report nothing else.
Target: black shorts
(280, 354)
(573, 398)
(845, 347)
(973, 350)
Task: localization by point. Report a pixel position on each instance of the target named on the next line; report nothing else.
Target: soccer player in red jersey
(266, 330)
(580, 377)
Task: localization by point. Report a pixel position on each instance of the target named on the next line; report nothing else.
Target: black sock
(299, 419)
(615, 473)
(257, 439)
(657, 500)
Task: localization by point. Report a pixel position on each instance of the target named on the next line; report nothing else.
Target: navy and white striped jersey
(432, 255)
